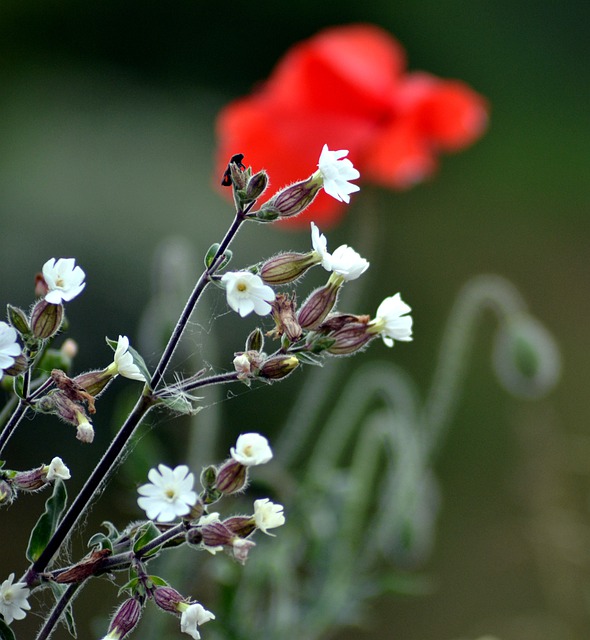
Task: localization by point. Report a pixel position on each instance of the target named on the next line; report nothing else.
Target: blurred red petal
(398, 157)
(452, 115)
(348, 70)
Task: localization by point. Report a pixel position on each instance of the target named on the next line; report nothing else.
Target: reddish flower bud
(231, 477)
(278, 367)
(318, 305)
(286, 267)
(46, 319)
(126, 619)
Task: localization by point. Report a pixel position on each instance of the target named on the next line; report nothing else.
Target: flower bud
(216, 534)
(256, 186)
(46, 319)
(293, 199)
(18, 319)
(318, 305)
(241, 526)
(19, 365)
(231, 477)
(286, 267)
(7, 492)
(30, 480)
(94, 382)
(255, 341)
(168, 599)
(125, 620)
(350, 339)
(278, 367)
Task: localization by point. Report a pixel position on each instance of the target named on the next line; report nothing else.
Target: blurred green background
(107, 112)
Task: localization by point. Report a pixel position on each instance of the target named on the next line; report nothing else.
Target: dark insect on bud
(237, 160)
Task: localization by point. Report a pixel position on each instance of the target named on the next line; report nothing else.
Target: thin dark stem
(57, 611)
(222, 378)
(13, 422)
(192, 301)
(84, 498)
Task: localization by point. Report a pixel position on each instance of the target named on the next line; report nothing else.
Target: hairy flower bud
(94, 382)
(255, 341)
(46, 319)
(241, 526)
(7, 492)
(20, 364)
(287, 267)
(125, 619)
(231, 477)
(278, 367)
(18, 319)
(318, 305)
(293, 199)
(216, 534)
(256, 186)
(168, 599)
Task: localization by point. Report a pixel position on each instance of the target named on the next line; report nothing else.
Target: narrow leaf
(6, 633)
(47, 523)
(68, 615)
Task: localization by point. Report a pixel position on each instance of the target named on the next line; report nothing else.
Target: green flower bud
(46, 319)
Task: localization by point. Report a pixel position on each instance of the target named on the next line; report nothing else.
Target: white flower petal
(64, 280)
(194, 615)
(169, 494)
(246, 292)
(9, 347)
(336, 172)
(268, 515)
(13, 599)
(251, 449)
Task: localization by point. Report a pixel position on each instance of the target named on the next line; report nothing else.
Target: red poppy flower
(348, 87)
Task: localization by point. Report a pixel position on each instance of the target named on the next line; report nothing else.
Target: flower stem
(202, 282)
(57, 611)
(13, 422)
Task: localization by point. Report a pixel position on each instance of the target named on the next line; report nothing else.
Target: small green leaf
(130, 587)
(6, 633)
(145, 534)
(159, 582)
(100, 541)
(227, 256)
(19, 386)
(47, 523)
(68, 615)
(210, 255)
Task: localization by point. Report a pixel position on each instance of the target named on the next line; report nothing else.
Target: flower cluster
(348, 85)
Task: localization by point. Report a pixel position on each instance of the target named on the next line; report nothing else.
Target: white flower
(346, 262)
(57, 469)
(391, 321)
(268, 515)
(246, 292)
(169, 493)
(64, 280)
(320, 246)
(124, 361)
(13, 600)
(9, 347)
(336, 172)
(194, 615)
(251, 449)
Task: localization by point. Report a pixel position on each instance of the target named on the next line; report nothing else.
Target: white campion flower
(336, 171)
(344, 262)
(123, 361)
(347, 263)
(268, 515)
(246, 292)
(251, 449)
(13, 599)
(391, 322)
(9, 347)
(57, 469)
(169, 493)
(64, 280)
(194, 615)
